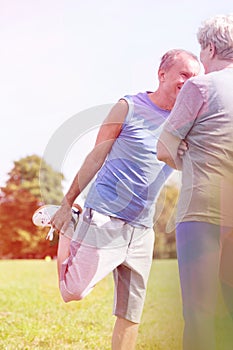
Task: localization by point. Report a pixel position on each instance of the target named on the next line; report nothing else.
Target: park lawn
(33, 315)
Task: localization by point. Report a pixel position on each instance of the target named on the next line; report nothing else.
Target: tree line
(23, 193)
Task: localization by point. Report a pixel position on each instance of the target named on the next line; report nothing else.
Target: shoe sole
(42, 217)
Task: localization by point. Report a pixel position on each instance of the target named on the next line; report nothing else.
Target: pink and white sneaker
(42, 217)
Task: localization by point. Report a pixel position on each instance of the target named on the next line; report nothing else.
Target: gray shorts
(102, 244)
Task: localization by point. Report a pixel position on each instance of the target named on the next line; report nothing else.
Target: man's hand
(61, 219)
(182, 148)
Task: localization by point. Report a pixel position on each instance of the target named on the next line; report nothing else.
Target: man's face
(174, 78)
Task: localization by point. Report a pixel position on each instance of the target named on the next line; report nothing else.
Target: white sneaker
(42, 217)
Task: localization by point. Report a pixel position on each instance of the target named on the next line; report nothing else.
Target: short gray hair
(169, 58)
(218, 30)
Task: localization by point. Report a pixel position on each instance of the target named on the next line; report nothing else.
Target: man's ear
(212, 50)
(161, 75)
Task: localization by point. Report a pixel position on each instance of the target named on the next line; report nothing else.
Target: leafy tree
(21, 196)
(165, 240)
(34, 175)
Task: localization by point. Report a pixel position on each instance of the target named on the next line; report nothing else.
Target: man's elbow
(162, 153)
(161, 156)
(164, 156)
(166, 159)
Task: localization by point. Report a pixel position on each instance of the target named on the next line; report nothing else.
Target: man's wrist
(66, 202)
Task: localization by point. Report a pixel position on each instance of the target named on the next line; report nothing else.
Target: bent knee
(71, 295)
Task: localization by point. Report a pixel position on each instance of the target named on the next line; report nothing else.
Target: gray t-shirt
(203, 115)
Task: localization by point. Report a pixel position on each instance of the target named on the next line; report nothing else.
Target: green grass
(33, 315)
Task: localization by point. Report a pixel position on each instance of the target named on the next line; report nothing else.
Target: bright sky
(61, 57)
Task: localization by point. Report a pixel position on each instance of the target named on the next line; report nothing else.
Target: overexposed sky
(60, 57)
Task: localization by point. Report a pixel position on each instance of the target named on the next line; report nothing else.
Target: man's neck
(218, 64)
(160, 100)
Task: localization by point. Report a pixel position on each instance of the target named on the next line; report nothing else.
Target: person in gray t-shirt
(203, 116)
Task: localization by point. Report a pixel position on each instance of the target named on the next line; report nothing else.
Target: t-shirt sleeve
(185, 110)
(130, 113)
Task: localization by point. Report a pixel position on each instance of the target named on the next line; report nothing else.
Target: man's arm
(169, 149)
(108, 133)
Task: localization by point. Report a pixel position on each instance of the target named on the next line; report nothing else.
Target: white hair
(170, 57)
(218, 30)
